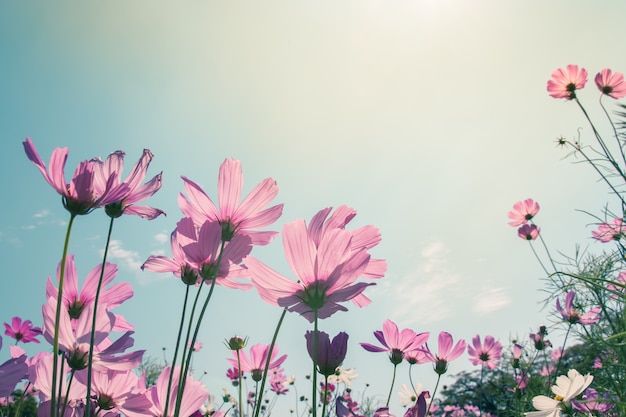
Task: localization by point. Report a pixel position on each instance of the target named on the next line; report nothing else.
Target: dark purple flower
(330, 355)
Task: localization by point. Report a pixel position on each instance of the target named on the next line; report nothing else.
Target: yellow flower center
(558, 398)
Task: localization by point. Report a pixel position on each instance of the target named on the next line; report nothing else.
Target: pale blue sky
(429, 117)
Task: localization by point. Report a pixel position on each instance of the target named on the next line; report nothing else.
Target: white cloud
(424, 295)
(41, 214)
(161, 237)
(490, 300)
(129, 258)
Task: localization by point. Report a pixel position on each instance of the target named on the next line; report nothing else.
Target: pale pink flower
(546, 371)
(22, 331)
(327, 272)
(235, 217)
(75, 336)
(523, 212)
(194, 395)
(255, 364)
(611, 83)
(445, 353)
(112, 388)
(618, 286)
(557, 354)
(487, 353)
(528, 232)
(573, 316)
(565, 82)
(133, 190)
(81, 195)
(195, 254)
(607, 232)
(76, 302)
(539, 340)
(396, 342)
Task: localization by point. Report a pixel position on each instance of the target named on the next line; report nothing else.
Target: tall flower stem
(393, 381)
(55, 344)
(619, 145)
(315, 347)
(257, 407)
(558, 363)
(180, 331)
(92, 340)
(325, 399)
(432, 397)
(187, 360)
(240, 388)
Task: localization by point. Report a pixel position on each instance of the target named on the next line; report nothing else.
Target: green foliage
(25, 405)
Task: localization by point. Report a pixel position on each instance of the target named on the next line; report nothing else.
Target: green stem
(239, 380)
(180, 331)
(325, 399)
(67, 393)
(55, 345)
(393, 381)
(558, 363)
(315, 347)
(92, 340)
(432, 397)
(257, 407)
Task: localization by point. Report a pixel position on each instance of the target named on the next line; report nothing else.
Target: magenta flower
(487, 354)
(607, 232)
(565, 82)
(81, 195)
(528, 232)
(618, 286)
(420, 407)
(396, 342)
(539, 339)
(326, 272)
(594, 404)
(132, 189)
(329, 355)
(256, 363)
(523, 212)
(445, 353)
(22, 331)
(611, 83)
(235, 217)
(573, 316)
(76, 302)
(11, 373)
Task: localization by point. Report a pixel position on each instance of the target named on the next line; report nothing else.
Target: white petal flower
(566, 388)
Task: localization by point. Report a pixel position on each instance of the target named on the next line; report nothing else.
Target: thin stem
(180, 331)
(55, 344)
(269, 357)
(239, 379)
(558, 363)
(619, 145)
(393, 381)
(432, 397)
(67, 393)
(324, 400)
(315, 347)
(92, 340)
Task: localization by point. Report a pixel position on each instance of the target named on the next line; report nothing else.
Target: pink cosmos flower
(565, 82)
(197, 251)
(193, 397)
(278, 381)
(573, 316)
(40, 374)
(528, 232)
(81, 195)
(607, 232)
(546, 371)
(75, 335)
(256, 363)
(112, 388)
(396, 342)
(593, 404)
(487, 354)
(523, 211)
(365, 237)
(445, 353)
(618, 286)
(235, 217)
(327, 272)
(133, 190)
(22, 331)
(539, 340)
(611, 83)
(76, 302)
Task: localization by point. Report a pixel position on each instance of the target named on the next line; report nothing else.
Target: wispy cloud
(161, 238)
(41, 214)
(424, 295)
(129, 259)
(490, 300)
